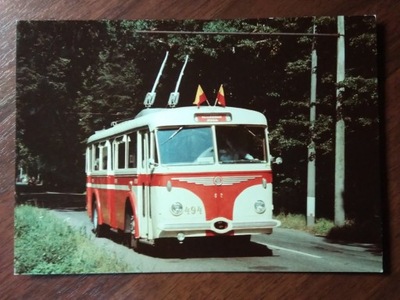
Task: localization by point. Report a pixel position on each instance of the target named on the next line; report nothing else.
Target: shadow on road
(200, 248)
(367, 234)
(373, 248)
(208, 248)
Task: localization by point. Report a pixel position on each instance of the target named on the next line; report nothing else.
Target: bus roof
(185, 116)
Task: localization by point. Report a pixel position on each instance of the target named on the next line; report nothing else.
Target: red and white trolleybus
(181, 173)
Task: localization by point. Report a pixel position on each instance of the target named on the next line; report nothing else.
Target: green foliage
(292, 221)
(105, 91)
(298, 66)
(360, 94)
(321, 227)
(45, 245)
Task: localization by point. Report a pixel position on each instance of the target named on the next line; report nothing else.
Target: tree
(50, 60)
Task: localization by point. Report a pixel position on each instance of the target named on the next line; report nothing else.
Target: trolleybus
(178, 173)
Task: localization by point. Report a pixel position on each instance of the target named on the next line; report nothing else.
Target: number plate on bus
(193, 210)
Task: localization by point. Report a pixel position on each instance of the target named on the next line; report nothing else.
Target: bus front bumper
(218, 226)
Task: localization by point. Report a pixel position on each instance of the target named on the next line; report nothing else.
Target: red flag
(221, 96)
(200, 96)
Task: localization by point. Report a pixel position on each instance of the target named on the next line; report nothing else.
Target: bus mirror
(277, 160)
(152, 164)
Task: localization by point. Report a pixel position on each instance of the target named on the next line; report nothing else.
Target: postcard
(159, 146)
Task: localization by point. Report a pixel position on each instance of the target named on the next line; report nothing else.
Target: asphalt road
(283, 251)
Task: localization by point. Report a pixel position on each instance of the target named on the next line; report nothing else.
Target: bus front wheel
(132, 241)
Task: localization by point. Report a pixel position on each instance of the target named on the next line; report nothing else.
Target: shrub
(297, 221)
(45, 245)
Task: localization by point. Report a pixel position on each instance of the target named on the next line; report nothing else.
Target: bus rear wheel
(99, 230)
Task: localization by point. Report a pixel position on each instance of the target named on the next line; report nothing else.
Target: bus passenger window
(103, 156)
(96, 157)
(104, 165)
(132, 150)
(119, 153)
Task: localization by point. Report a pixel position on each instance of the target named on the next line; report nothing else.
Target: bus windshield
(195, 145)
(241, 144)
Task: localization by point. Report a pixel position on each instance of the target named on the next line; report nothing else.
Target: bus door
(145, 208)
(106, 195)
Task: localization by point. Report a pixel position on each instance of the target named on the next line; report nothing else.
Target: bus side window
(110, 157)
(105, 155)
(119, 153)
(132, 145)
(96, 157)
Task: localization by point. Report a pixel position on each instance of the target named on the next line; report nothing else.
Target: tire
(130, 225)
(100, 230)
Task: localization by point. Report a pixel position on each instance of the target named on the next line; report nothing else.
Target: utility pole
(340, 129)
(311, 146)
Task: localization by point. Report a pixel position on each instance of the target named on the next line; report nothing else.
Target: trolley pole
(311, 146)
(340, 129)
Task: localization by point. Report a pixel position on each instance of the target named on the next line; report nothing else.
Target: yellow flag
(200, 96)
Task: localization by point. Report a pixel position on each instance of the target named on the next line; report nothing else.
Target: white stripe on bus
(117, 187)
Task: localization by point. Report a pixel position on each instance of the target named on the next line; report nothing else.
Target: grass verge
(296, 221)
(45, 245)
(369, 231)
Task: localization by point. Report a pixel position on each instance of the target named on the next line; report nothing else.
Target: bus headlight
(259, 206)
(177, 209)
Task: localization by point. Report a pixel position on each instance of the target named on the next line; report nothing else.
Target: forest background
(75, 77)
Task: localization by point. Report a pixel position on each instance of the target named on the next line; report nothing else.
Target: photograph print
(243, 145)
